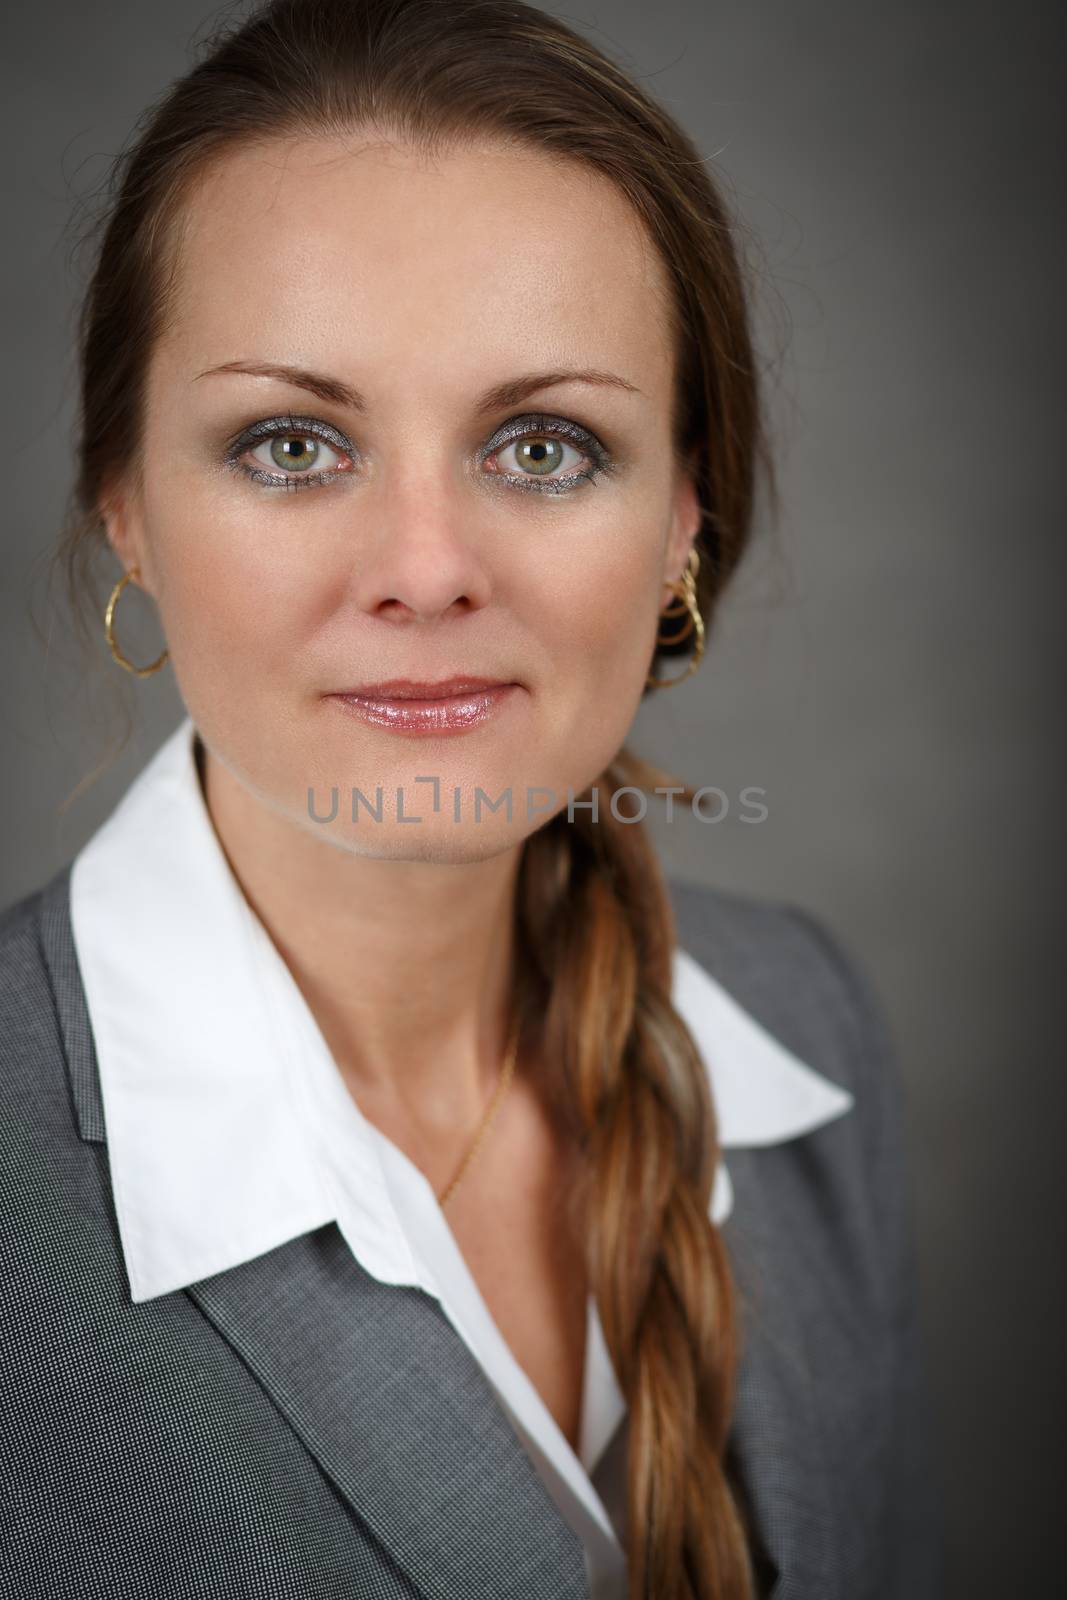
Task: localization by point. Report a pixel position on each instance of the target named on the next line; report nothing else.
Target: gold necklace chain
(483, 1128)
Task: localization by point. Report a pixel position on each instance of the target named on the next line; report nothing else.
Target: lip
(421, 688)
(449, 706)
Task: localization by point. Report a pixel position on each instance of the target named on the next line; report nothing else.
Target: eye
(296, 452)
(290, 452)
(540, 447)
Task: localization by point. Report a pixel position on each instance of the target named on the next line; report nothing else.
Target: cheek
(230, 592)
(597, 620)
(610, 606)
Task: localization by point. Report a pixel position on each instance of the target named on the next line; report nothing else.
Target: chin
(434, 840)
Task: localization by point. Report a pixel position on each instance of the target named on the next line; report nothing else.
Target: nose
(425, 561)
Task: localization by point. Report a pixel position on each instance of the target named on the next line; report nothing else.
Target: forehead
(331, 252)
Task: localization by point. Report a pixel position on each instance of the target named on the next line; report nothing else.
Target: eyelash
(515, 430)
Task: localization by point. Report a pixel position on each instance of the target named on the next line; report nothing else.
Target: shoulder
(795, 973)
(22, 959)
(31, 1037)
(792, 970)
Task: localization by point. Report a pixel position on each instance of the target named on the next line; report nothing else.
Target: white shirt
(230, 1129)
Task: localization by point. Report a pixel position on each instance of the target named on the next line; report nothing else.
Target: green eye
(290, 452)
(301, 456)
(531, 450)
(295, 451)
(541, 456)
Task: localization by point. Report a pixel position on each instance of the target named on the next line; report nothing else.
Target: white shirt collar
(199, 1030)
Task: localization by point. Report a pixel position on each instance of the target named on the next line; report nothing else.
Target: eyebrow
(509, 393)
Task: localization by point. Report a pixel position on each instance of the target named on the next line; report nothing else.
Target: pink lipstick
(414, 706)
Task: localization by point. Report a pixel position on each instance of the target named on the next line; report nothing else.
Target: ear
(686, 517)
(124, 525)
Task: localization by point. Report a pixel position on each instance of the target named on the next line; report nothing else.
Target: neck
(405, 965)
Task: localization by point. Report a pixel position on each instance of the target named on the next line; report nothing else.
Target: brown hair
(594, 922)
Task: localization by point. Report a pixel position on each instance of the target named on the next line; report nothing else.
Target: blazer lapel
(374, 1379)
(777, 1437)
(398, 1413)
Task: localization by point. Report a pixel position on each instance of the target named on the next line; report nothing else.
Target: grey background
(887, 665)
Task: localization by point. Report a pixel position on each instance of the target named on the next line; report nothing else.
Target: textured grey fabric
(294, 1428)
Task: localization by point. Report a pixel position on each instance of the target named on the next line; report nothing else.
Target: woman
(366, 1083)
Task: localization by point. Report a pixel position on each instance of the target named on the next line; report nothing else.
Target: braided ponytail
(596, 928)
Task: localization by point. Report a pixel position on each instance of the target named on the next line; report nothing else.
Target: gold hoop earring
(685, 606)
(109, 632)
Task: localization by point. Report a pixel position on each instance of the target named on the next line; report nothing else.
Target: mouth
(421, 708)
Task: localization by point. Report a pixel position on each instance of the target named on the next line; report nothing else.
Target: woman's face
(387, 515)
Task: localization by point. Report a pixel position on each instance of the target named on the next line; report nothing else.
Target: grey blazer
(295, 1429)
